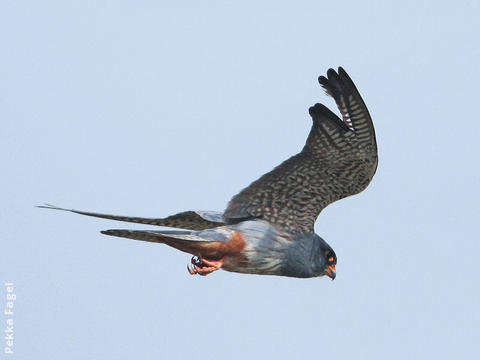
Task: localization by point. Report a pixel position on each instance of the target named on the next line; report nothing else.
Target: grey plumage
(267, 228)
(268, 249)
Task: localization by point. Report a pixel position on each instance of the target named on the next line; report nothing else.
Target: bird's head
(309, 256)
(324, 258)
(330, 260)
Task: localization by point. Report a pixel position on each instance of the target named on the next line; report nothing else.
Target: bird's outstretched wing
(193, 220)
(339, 159)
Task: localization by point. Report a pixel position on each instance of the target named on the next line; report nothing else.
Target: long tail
(215, 246)
(193, 220)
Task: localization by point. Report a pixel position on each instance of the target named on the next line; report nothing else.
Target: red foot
(203, 267)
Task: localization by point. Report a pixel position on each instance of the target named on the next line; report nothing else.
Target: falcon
(268, 228)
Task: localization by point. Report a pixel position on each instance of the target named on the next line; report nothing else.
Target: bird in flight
(268, 228)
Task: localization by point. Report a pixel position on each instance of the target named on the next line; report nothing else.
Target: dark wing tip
(337, 84)
(333, 83)
(335, 80)
(46, 206)
(321, 111)
(322, 79)
(346, 79)
(312, 111)
(331, 73)
(50, 206)
(325, 83)
(338, 79)
(342, 72)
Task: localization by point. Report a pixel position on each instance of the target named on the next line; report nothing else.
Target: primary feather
(339, 159)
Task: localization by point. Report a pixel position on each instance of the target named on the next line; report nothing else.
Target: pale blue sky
(150, 108)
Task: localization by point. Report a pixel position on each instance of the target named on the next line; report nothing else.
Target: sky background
(151, 108)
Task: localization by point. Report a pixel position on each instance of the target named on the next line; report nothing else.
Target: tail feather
(154, 236)
(186, 241)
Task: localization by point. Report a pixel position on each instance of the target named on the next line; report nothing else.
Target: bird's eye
(330, 256)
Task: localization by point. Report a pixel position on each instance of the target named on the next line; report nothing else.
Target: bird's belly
(252, 261)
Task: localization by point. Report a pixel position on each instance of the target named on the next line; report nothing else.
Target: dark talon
(192, 269)
(196, 261)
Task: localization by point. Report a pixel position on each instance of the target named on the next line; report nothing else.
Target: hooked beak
(330, 272)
